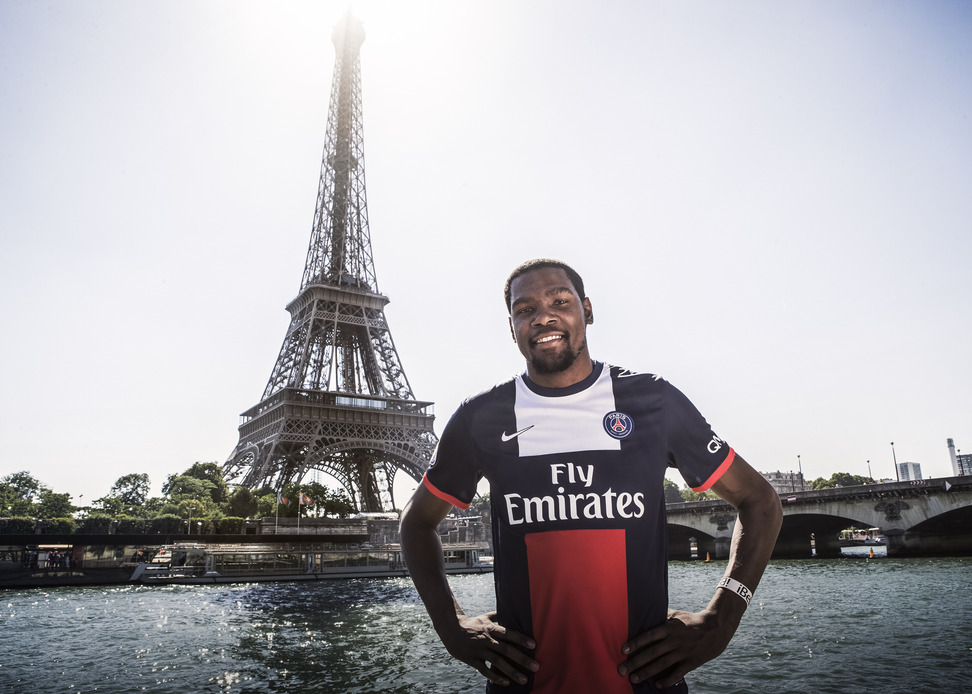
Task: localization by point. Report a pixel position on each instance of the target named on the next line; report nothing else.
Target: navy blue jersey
(579, 530)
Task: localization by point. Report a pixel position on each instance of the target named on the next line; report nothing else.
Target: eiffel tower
(338, 400)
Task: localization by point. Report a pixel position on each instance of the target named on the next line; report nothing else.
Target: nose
(544, 316)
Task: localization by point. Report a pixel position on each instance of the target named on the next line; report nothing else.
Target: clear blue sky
(769, 203)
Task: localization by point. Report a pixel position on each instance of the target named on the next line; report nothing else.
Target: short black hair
(538, 263)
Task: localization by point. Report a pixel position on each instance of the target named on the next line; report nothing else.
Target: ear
(512, 331)
(588, 311)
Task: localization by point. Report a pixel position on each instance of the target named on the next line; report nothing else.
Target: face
(549, 323)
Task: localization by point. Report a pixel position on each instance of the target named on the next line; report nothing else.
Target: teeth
(549, 338)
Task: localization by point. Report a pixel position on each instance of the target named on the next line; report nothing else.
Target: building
(961, 464)
(964, 461)
(909, 471)
(786, 482)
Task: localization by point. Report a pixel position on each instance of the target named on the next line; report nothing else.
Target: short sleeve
(693, 447)
(454, 471)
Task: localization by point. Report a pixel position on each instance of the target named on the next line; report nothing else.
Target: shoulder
(640, 379)
(488, 402)
(499, 393)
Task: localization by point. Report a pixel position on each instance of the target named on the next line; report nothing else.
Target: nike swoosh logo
(509, 437)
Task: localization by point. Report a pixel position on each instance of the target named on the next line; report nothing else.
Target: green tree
(336, 502)
(207, 472)
(326, 501)
(689, 495)
(12, 504)
(182, 487)
(132, 489)
(844, 479)
(53, 505)
(109, 505)
(840, 479)
(481, 505)
(267, 504)
(242, 503)
(672, 495)
(819, 483)
(153, 506)
(193, 511)
(19, 491)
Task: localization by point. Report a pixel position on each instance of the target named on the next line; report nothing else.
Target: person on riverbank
(575, 452)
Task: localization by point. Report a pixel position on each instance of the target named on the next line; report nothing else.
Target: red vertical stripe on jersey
(579, 603)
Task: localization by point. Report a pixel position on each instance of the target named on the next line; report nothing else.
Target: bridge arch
(921, 517)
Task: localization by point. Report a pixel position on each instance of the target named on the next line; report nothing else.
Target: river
(856, 624)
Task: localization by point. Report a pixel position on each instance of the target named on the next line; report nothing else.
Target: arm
(688, 640)
(480, 642)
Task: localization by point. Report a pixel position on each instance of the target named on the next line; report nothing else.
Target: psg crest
(618, 425)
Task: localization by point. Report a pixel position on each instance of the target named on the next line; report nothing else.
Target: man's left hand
(671, 650)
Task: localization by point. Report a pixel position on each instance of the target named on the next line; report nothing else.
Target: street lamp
(869, 470)
(896, 475)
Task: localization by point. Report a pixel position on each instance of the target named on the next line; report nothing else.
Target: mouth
(548, 338)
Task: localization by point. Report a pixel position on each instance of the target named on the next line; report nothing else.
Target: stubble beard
(559, 362)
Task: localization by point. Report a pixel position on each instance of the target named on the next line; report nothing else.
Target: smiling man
(575, 452)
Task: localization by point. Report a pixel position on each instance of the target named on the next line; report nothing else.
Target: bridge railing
(909, 488)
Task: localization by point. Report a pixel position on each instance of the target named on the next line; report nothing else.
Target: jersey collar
(569, 390)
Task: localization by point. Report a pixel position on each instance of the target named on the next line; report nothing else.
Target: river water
(856, 624)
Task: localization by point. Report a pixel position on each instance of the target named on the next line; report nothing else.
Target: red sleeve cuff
(720, 471)
(462, 505)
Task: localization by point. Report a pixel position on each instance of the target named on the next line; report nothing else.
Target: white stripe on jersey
(567, 423)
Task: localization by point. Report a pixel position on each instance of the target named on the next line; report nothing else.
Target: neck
(577, 372)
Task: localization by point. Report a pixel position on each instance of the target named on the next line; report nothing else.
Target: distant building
(786, 482)
(964, 461)
(909, 471)
(961, 463)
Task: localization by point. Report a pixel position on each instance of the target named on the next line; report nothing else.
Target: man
(575, 452)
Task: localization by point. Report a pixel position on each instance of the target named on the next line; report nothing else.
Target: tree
(688, 495)
(208, 472)
(109, 505)
(242, 503)
(672, 495)
(193, 511)
(481, 505)
(267, 504)
(53, 505)
(18, 493)
(840, 479)
(326, 501)
(844, 479)
(132, 489)
(181, 487)
(24, 485)
(336, 502)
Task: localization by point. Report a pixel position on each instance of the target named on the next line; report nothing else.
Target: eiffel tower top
(339, 253)
(357, 356)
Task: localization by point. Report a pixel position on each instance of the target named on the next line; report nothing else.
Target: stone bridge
(919, 518)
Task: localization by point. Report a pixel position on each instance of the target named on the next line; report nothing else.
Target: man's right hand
(498, 653)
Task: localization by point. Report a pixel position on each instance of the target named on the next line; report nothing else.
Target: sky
(769, 204)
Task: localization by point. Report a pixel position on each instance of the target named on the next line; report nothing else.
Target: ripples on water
(852, 625)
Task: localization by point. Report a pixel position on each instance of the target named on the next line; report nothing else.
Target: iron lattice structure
(338, 399)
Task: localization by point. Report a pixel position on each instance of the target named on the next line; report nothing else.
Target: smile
(548, 338)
